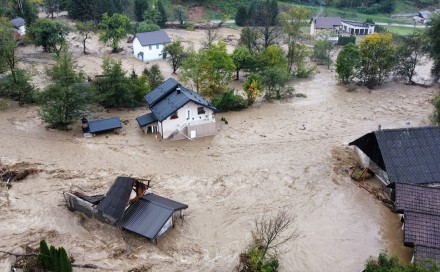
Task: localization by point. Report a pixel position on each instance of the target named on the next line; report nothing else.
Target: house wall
(366, 162)
(357, 30)
(149, 54)
(169, 125)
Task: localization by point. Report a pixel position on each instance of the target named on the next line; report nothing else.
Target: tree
(84, 29)
(193, 69)
(8, 46)
(163, 14)
(347, 63)
(378, 55)
(241, 16)
(253, 87)
(436, 114)
(145, 27)
(241, 57)
(177, 54)
(411, 50)
(17, 86)
(179, 14)
(26, 10)
(434, 41)
(116, 28)
(249, 38)
(265, 21)
(273, 71)
(53, 259)
(323, 49)
(52, 6)
(63, 102)
(139, 8)
(393, 264)
(49, 34)
(154, 76)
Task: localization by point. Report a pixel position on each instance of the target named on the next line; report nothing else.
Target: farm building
(149, 45)
(178, 113)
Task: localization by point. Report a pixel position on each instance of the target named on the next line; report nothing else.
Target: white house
(178, 113)
(19, 26)
(149, 45)
(357, 28)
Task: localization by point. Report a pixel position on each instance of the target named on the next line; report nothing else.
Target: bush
(53, 259)
(228, 101)
(346, 40)
(254, 261)
(17, 86)
(436, 114)
(145, 27)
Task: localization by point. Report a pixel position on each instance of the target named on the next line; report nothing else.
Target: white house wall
(151, 52)
(348, 27)
(169, 125)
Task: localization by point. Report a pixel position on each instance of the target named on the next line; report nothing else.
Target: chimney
(178, 90)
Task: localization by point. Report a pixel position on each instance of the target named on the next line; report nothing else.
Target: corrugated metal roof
(153, 37)
(165, 202)
(146, 119)
(422, 229)
(327, 22)
(161, 91)
(408, 155)
(116, 199)
(409, 197)
(103, 125)
(17, 22)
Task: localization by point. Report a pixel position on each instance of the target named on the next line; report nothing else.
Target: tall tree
(51, 35)
(434, 50)
(63, 102)
(26, 10)
(241, 57)
(249, 38)
(154, 76)
(378, 56)
(163, 19)
(347, 63)
(52, 6)
(410, 50)
(116, 28)
(241, 16)
(177, 54)
(84, 30)
(8, 46)
(323, 48)
(140, 7)
(179, 14)
(266, 22)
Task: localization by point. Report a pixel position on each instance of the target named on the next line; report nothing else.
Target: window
(174, 115)
(157, 46)
(150, 47)
(201, 110)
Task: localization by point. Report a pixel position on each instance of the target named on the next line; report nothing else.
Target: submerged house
(92, 127)
(131, 206)
(149, 45)
(178, 113)
(403, 155)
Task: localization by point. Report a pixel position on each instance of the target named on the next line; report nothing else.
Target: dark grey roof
(409, 197)
(327, 22)
(154, 37)
(103, 125)
(356, 23)
(408, 155)
(425, 14)
(422, 229)
(175, 100)
(421, 253)
(116, 199)
(149, 214)
(17, 22)
(146, 119)
(161, 91)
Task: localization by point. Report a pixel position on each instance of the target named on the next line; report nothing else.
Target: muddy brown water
(263, 160)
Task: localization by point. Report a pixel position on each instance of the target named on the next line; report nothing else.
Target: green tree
(241, 57)
(393, 264)
(53, 259)
(154, 76)
(253, 87)
(177, 54)
(410, 50)
(163, 14)
(116, 28)
(249, 38)
(228, 101)
(52, 6)
(241, 16)
(8, 46)
(63, 102)
(179, 14)
(49, 34)
(192, 69)
(139, 8)
(434, 42)
(146, 27)
(323, 51)
(25, 9)
(347, 63)
(378, 56)
(273, 71)
(436, 114)
(84, 30)
(266, 22)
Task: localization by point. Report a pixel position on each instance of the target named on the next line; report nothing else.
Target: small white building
(178, 113)
(149, 45)
(19, 27)
(357, 28)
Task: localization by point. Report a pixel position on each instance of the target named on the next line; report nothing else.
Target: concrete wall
(151, 52)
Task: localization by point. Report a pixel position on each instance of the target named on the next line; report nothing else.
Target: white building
(178, 113)
(149, 45)
(357, 28)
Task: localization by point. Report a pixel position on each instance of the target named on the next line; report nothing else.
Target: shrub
(346, 40)
(53, 259)
(436, 114)
(228, 101)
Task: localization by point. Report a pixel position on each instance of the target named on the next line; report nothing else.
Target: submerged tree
(177, 54)
(347, 63)
(84, 30)
(434, 42)
(49, 34)
(116, 28)
(410, 51)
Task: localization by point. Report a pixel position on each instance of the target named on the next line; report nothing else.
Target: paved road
(401, 25)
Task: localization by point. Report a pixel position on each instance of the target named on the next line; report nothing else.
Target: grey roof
(17, 22)
(116, 199)
(327, 22)
(409, 197)
(149, 214)
(422, 229)
(425, 14)
(408, 155)
(356, 23)
(421, 253)
(161, 91)
(103, 125)
(146, 119)
(154, 37)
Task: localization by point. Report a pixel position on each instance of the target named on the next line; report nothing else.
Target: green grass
(401, 30)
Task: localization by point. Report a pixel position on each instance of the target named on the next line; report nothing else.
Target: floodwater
(276, 155)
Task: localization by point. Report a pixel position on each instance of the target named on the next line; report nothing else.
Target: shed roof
(422, 229)
(17, 22)
(408, 155)
(116, 199)
(161, 91)
(409, 197)
(421, 253)
(146, 119)
(103, 125)
(149, 214)
(327, 22)
(153, 37)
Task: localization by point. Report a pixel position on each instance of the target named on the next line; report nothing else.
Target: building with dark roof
(101, 125)
(178, 113)
(149, 45)
(415, 198)
(404, 155)
(357, 28)
(332, 24)
(19, 26)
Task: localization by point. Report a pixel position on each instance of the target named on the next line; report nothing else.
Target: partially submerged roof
(408, 155)
(116, 199)
(161, 91)
(422, 229)
(422, 253)
(327, 22)
(103, 125)
(415, 198)
(357, 24)
(17, 22)
(146, 119)
(149, 214)
(153, 37)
